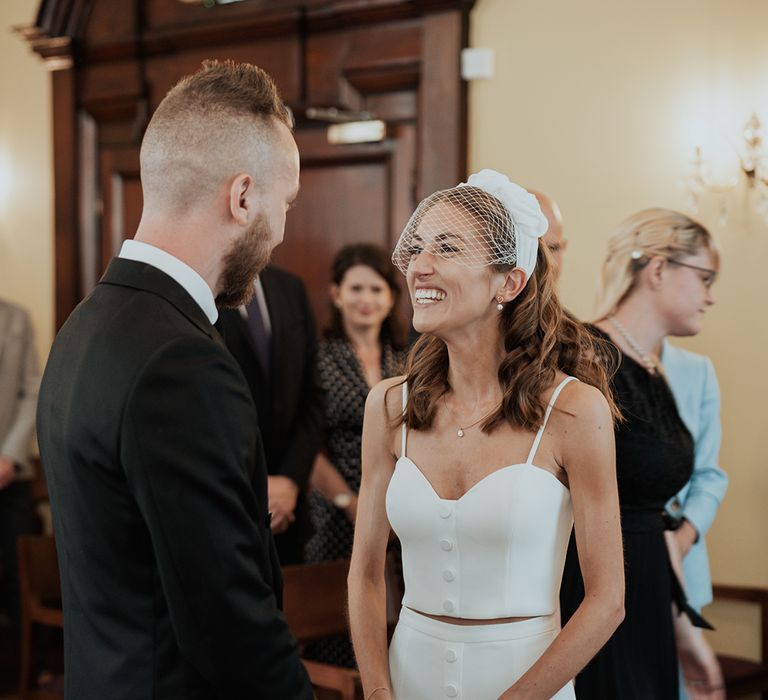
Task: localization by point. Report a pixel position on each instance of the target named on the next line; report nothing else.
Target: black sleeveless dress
(654, 460)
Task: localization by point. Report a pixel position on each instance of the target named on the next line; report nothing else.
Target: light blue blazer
(697, 394)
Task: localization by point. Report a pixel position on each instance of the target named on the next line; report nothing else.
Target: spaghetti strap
(404, 430)
(539, 435)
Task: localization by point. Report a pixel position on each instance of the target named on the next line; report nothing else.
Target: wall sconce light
(348, 126)
(369, 131)
(747, 162)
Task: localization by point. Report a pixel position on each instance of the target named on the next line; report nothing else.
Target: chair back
(315, 599)
(38, 570)
(40, 592)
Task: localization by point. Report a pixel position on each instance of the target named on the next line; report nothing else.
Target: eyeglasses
(708, 276)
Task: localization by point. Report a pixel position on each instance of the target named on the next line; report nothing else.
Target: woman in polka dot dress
(361, 347)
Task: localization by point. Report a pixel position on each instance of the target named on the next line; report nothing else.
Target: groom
(148, 433)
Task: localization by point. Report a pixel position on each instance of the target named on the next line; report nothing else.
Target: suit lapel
(144, 277)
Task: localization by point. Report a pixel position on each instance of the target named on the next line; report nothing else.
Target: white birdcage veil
(486, 221)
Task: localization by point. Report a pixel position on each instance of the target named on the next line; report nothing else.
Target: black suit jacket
(157, 481)
(290, 401)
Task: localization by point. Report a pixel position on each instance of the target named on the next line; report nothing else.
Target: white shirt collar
(179, 271)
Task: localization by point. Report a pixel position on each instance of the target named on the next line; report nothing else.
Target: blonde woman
(481, 459)
(656, 282)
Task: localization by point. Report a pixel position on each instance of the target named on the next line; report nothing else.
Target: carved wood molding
(113, 60)
(60, 21)
(384, 77)
(56, 52)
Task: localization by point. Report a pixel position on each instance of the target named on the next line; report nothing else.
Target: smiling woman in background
(361, 346)
(656, 282)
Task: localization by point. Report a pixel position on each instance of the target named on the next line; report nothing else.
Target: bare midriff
(465, 621)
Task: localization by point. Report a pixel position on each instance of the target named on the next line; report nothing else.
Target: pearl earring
(499, 305)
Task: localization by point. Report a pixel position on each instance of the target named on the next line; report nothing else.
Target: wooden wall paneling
(332, 15)
(335, 57)
(110, 23)
(442, 104)
(111, 90)
(172, 14)
(65, 172)
(403, 188)
(280, 57)
(404, 174)
(122, 200)
(57, 17)
(393, 107)
(369, 186)
(220, 26)
(398, 59)
(90, 206)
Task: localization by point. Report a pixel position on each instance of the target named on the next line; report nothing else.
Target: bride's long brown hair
(540, 338)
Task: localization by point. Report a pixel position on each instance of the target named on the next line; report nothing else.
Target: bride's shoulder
(386, 397)
(583, 404)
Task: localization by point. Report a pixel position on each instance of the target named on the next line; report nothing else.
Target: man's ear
(241, 200)
(513, 284)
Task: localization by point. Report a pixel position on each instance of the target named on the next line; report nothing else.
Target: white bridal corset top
(498, 551)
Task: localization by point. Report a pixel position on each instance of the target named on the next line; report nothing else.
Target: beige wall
(599, 103)
(26, 178)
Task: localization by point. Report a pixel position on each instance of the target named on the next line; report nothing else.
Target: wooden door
(349, 194)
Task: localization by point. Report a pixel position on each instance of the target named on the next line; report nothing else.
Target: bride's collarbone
(460, 462)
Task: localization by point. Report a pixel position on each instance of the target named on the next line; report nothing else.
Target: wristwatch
(343, 500)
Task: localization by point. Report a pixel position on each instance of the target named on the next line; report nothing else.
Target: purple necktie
(261, 340)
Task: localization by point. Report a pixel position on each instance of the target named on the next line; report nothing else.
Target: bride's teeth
(430, 294)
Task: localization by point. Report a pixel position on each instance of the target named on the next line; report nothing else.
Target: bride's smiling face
(446, 292)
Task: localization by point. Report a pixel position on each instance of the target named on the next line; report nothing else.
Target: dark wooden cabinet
(112, 62)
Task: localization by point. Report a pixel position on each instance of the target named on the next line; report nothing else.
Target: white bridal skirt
(430, 660)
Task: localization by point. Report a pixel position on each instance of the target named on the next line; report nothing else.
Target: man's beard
(247, 257)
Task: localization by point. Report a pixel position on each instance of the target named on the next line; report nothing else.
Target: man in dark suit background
(273, 340)
(148, 433)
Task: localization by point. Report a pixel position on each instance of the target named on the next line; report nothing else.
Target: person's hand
(282, 493)
(7, 472)
(701, 671)
(686, 537)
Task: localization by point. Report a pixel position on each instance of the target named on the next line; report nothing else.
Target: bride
(498, 439)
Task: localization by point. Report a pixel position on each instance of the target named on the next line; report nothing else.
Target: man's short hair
(210, 125)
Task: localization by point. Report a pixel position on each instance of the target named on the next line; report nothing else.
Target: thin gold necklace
(463, 429)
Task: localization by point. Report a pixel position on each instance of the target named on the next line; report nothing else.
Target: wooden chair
(315, 605)
(744, 676)
(40, 592)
